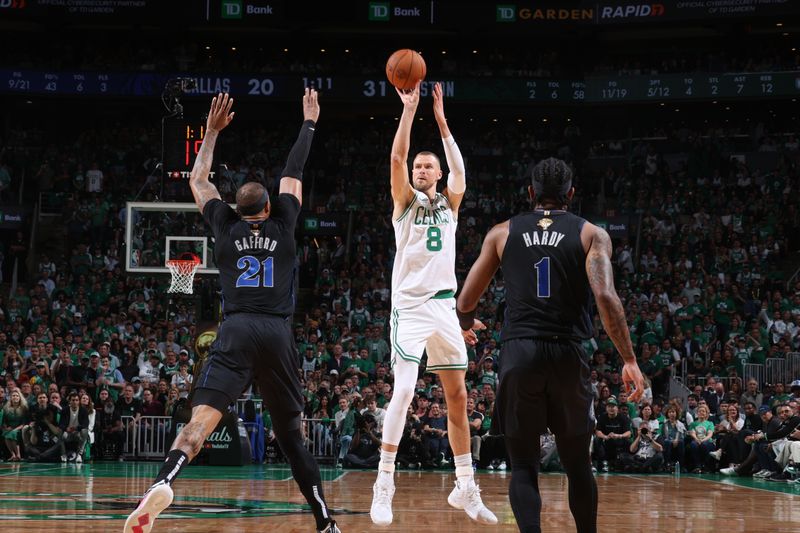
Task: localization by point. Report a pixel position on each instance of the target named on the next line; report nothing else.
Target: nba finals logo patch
(545, 223)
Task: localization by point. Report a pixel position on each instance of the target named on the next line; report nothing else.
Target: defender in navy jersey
(255, 252)
(552, 262)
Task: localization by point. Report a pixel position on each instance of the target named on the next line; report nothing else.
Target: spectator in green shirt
(701, 433)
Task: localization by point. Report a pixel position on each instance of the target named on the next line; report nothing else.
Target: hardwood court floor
(97, 497)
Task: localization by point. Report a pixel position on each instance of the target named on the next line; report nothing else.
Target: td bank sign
(409, 11)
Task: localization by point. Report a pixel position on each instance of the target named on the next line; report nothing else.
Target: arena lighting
(322, 50)
(714, 102)
(779, 24)
(544, 120)
(233, 48)
(444, 52)
(346, 50)
(519, 120)
(494, 120)
(285, 49)
(662, 104)
(208, 48)
(474, 51)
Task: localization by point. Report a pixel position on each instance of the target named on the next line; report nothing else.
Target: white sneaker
(729, 471)
(467, 496)
(382, 494)
(502, 465)
(156, 499)
(79, 458)
(762, 474)
(63, 458)
(716, 454)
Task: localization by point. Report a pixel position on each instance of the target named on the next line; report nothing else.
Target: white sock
(387, 462)
(463, 467)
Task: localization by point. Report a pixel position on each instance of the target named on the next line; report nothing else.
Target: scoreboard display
(658, 88)
(181, 142)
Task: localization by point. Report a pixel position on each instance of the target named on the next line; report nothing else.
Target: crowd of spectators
(702, 282)
(345, 57)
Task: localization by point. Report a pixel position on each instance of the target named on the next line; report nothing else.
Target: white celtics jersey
(424, 265)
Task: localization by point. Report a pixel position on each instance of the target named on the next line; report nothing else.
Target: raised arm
(292, 178)
(402, 193)
(478, 280)
(219, 116)
(457, 177)
(612, 314)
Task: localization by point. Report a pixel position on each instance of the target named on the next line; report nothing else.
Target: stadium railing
(776, 370)
(753, 371)
(319, 436)
(146, 438)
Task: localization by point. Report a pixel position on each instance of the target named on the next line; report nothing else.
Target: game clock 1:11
(182, 140)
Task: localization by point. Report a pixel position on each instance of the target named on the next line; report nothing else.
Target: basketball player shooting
(423, 305)
(552, 262)
(255, 251)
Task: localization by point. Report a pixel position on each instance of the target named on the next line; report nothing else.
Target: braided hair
(552, 180)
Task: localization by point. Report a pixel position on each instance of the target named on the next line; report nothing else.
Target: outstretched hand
(438, 104)
(410, 98)
(632, 376)
(219, 116)
(310, 105)
(469, 335)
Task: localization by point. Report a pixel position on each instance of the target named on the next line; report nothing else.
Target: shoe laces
(474, 495)
(382, 494)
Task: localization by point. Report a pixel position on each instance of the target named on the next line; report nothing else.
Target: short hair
(251, 198)
(552, 179)
(431, 154)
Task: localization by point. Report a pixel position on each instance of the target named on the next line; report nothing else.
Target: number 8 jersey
(256, 261)
(544, 267)
(424, 264)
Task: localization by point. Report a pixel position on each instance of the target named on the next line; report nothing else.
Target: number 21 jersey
(256, 261)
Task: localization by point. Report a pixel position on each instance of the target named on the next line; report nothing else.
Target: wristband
(299, 152)
(465, 319)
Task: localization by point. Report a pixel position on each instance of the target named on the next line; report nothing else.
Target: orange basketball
(405, 68)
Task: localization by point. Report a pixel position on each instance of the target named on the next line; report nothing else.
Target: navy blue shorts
(544, 383)
(252, 348)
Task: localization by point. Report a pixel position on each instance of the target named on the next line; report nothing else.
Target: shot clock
(182, 140)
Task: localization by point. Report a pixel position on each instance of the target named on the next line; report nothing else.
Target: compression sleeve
(299, 152)
(456, 179)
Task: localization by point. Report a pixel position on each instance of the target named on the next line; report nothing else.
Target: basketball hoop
(183, 271)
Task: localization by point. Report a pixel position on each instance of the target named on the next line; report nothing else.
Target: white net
(182, 275)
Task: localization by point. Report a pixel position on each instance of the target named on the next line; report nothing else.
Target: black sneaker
(781, 477)
(332, 528)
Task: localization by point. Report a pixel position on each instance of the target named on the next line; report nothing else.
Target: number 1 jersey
(544, 268)
(256, 261)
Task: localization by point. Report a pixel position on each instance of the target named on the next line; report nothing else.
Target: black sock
(173, 465)
(523, 491)
(574, 454)
(305, 472)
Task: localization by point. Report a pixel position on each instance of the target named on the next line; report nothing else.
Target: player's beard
(423, 186)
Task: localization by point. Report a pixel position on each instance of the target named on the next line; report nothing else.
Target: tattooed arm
(612, 314)
(219, 116)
